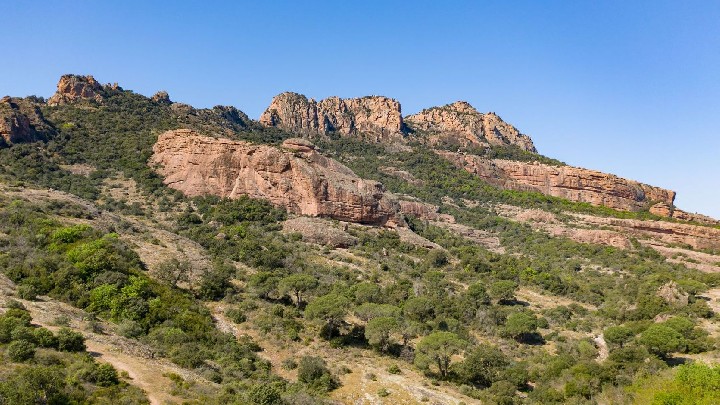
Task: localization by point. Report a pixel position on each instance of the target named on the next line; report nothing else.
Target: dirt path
(124, 354)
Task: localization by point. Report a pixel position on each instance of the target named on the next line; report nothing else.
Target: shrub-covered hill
(511, 303)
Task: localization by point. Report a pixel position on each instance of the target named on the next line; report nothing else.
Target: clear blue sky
(627, 87)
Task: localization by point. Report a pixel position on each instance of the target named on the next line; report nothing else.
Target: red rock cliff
(572, 183)
(294, 177)
(376, 118)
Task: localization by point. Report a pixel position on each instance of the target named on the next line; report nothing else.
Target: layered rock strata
(294, 177)
(572, 183)
(460, 123)
(376, 118)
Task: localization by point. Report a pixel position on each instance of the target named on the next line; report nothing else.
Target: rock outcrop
(72, 88)
(461, 124)
(320, 231)
(295, 177)
(572, 183)
(669, 211)
(21, 121)
(376, 118)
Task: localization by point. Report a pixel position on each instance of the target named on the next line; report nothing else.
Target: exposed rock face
(572, 183)
(424, 211)
(671, 233)
(320, 231)
(302, 181)
(161, 97)
(460, 123)
(73, 88)
(377, 118)
(673, 294)
(21, 121)
(666, 210)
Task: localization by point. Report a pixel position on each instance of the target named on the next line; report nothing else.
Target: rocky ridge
(73, 88)
(460, 123)
(572, 183)
(376, 118)
(294, 177)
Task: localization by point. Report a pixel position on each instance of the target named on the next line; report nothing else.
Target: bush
(21, 350)
(313, 372)
(45, 338)
(236, 315)
(70, 341)
(265, 394)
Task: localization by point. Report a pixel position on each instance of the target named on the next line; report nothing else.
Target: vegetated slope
(558, 301)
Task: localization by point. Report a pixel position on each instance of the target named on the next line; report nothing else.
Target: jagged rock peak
(161, 97)
(461, 123)
(375, 118)
(72, 88)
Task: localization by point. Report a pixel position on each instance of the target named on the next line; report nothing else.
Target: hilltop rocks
(21, 121)
(460, 123)
(376, 118)
(572, 183)
(300, 180)
(161, 97)
(73, 88)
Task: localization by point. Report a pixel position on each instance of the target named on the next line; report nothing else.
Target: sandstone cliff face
(21, 121)
(567, 182)
(460, 123)
(73, 88)
(375, 117)
(294, 177)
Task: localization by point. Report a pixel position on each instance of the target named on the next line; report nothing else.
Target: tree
(419, 309)
(297, 284)
(174, 272)
(439, 347)
(662, 340)
(484, 365)
(263, 283)
(520, 325)
(378, 331)
(618, 335)
(503, 290)
(313, 372)
(331, 308)
(369, 310)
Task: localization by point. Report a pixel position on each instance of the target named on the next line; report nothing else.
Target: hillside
(336, 251)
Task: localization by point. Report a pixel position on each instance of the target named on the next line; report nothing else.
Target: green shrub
(21, 350)
(70, 341)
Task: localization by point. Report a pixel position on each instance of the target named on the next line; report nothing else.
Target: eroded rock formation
(21, 121)
(376, 118)
(72, 88)
(295, 177)
(460, 123)
(572, 183)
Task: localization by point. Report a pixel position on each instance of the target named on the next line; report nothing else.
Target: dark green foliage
(662, 340)
(483, 366)
(438, 348)
(70, 341)
(21, 350)
(313, 372)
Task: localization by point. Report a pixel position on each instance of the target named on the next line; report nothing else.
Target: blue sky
(631, 88)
